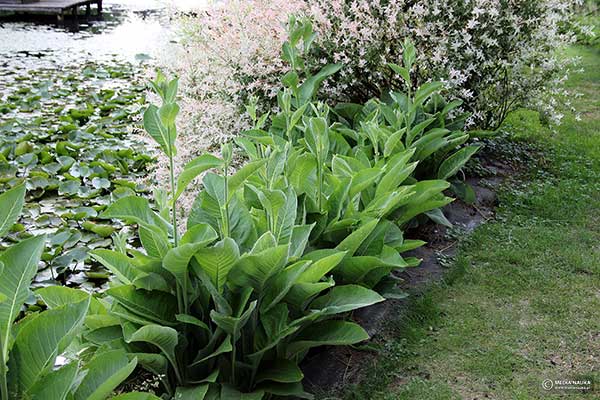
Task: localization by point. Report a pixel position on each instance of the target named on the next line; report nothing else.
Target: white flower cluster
(492, 54)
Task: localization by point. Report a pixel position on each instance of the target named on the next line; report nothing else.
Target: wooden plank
(45, 6)
(17, 1)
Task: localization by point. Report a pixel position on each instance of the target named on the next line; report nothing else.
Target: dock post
(75, 19)
(88, 11)
(99, 3)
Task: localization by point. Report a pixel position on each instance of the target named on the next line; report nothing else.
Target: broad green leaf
(104, 373)
(191, 320)
(136, 396)
(385, 203)
(221, 303)
(224, 347)
(199, 233)
(409, 54)
(230, 393)
(403, 72)
(307, 90)
(322, 263)
(238, 179)
(11, 204)
(455, 162)
(417, 130)
(408, 245)
(191, 393)
(254, 270)
(394, 143)
(346, 298)
(428, 196)
(354, 269)
(281, 284)
(135, 209)
(265, 242)
(437, 216)
(154, 240)
(119, 264)
(217, 261)
(156, 128)
(163, 337)
(327, 333)
(426, 90)
(20, 266)
(56, 296)
(156, 306)
(40, 341)
(412, 210)
(177, 262)
(152, 281)
(230, 324)
(195, 168)
(394, 178)
(299, 240)
(351, 243)
(301, 293)
(284, 371)
(104, 335)
(363, 179)
(56, 385)
(293, 390)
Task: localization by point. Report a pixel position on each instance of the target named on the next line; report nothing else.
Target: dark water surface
(129, 28)
(69, 117)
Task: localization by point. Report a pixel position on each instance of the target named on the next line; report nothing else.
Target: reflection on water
(129, 28)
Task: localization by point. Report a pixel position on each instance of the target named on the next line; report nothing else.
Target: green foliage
(237, 302)
(279, 251)
(66, 137)
(29, 348)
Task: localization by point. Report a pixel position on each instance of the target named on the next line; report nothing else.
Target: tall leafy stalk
(174, 201)
(3, 371)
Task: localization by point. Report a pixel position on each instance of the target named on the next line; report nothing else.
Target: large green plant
(414, 127)
(233, 305)
(421, 121)
(29, 348)
(308, 172)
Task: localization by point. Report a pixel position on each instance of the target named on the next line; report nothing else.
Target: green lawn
(522, 302)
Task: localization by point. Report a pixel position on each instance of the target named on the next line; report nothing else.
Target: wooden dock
(60, 8)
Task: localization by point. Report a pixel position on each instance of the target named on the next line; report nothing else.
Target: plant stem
(173, 208)
(225, 212)
(4, 387)
(233, 355)
(3, 382)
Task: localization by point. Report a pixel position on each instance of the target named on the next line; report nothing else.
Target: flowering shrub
(492, 55)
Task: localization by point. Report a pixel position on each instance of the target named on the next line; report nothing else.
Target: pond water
(70, 105)
(130, 29)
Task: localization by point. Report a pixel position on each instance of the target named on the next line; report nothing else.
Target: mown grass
(522, 302)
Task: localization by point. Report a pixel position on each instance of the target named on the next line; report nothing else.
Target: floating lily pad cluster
(70, 134)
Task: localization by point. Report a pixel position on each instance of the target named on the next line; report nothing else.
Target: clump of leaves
(275, 253)
(29, 348)
(219, 312)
